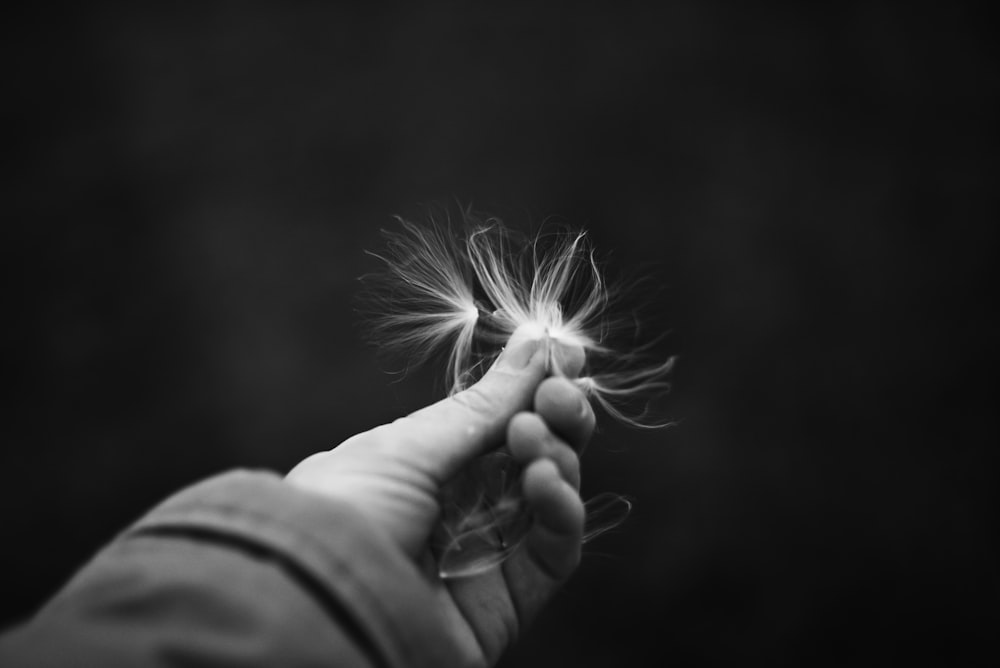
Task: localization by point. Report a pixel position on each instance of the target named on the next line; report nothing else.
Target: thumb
(444, 436)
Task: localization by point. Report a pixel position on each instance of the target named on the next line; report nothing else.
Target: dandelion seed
(463, 296)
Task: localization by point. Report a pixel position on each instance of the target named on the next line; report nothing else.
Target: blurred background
(810, 188)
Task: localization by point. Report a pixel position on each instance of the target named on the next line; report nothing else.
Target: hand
(392, 475)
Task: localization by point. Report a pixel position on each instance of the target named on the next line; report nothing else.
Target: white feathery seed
(462, 296)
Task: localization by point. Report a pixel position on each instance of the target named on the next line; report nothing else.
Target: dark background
(811, 188)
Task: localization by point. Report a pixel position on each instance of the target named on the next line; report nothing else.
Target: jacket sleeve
(243, 570)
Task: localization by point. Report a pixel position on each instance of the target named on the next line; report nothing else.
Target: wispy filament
(463, 296)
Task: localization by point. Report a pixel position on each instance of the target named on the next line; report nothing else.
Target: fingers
(554, 541)
(442, 437)
(546, 442)
(530, 439)
(566, 410)
(551, 549)
(551, 480)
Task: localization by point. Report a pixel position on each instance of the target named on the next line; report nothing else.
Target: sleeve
(243, 570)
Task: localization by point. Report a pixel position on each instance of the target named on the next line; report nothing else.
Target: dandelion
(461, 296)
